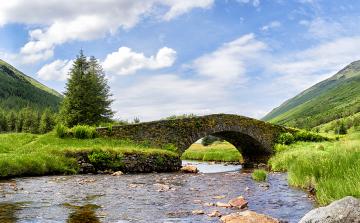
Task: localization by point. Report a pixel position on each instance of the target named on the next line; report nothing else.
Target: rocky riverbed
(165, 197)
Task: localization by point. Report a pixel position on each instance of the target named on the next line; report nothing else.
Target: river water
(155, 197)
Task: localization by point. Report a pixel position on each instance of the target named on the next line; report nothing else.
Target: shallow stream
(155, 197)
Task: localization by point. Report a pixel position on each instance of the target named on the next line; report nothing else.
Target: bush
(286, 138)
(341, 129)
(259, 175)
(61, 131)
(280, 147)
(105, 160)
(84, 132)
(306, 136)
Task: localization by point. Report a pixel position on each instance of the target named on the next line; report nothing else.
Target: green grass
(219, 151)
(259, 175)
(332, 168)
(24, 154)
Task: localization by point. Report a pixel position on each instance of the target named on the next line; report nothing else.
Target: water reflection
(8, 212)
(83, 214)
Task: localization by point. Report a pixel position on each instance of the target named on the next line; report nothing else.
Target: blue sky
(165, 57)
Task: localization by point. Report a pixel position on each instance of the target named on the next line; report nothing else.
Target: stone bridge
(253, 138)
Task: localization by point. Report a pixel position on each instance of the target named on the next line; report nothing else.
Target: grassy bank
(219, 151)
(331, 168)
(24, 154)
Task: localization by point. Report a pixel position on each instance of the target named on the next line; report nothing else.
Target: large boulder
(344, 210)
(248, 217)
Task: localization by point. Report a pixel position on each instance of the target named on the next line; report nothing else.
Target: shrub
(280, 147)
(341, 129)
(61, 131)
(259, 175)
(286, 138)
(105, 159)
(84, 132)
(307, 136)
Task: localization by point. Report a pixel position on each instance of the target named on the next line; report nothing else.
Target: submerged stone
(248, 217)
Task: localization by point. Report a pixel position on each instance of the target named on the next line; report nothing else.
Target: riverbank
(218, 151)
(330, 170)
(24, 154)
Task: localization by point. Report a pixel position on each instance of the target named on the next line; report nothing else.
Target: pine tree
(11, 121)
(3, 122)
(47, 121)
(87, 97)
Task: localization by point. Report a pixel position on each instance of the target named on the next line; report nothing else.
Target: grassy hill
(333, 98)
(18, 90)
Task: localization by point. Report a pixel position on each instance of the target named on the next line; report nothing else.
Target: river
(155, 197)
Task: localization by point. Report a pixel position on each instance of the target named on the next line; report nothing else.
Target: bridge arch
(253, 138)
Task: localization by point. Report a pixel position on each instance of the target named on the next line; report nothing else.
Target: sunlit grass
(28, 155)
(332, 168)
(219, 151)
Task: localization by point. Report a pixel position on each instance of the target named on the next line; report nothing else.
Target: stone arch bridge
(253, 138)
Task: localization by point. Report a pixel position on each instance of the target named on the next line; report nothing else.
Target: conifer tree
(47, 121)
(87, 97)
(11, 121)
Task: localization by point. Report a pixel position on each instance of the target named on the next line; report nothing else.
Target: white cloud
(271, 25)
(58, 70)
(321, 28)
(229, 61)
(211, 89)
(63, 21)
(255, 3)
(180, 7)
(297, 71)
(125, 61)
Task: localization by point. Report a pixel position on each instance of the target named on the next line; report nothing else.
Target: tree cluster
(27, 120)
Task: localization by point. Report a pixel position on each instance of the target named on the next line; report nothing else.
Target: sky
(172, 57)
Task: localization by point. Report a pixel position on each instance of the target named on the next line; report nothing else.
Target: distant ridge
(335, 97)
(18, 90)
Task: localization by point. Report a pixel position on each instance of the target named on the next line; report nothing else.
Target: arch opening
(212, 148)
(251, 150)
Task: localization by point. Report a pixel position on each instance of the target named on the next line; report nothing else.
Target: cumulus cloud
(271, 25)
(321, 28)
(229, 61)
(212, 88)
(64, 21)
(58, 70)
(125, 61)
(299, 70)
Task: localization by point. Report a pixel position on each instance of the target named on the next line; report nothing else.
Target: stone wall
(130, 163)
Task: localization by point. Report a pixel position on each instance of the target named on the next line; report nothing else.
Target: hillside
(18, 90)
(335, 97)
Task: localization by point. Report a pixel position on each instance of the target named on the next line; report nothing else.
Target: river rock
(344, 210)
(239, 202)
(215, 213)
(248, 217)
(223, 205)
(117, 173)
(198, 212)
(189, 169)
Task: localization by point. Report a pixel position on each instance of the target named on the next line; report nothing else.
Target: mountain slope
(335, 97)
(18, 90)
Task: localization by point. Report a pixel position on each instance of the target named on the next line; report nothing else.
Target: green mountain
(18, 90)
(333, 98)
